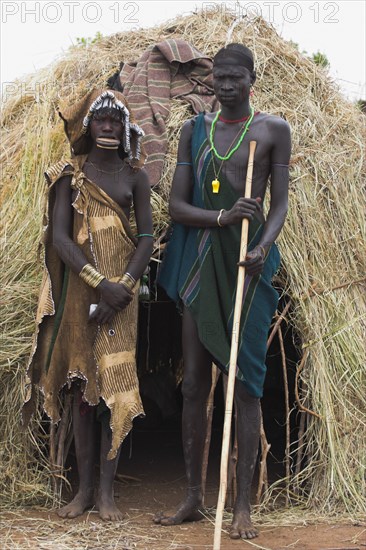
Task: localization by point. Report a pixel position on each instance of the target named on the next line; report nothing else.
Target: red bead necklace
(229, 121)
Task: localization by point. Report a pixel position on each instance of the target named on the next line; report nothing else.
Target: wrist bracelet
(263, 250)
(91, 276)
(128, 281)
(219, 216)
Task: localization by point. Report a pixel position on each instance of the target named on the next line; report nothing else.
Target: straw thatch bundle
(322, 244)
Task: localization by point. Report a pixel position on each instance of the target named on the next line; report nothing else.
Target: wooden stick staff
(233, 357)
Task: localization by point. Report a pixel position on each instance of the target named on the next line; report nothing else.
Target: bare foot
(242, 527)
(81, 502)
(108, 510)
(189, 510)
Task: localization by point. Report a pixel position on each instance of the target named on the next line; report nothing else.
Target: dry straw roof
(322, 244)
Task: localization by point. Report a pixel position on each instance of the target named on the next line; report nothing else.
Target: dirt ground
(32, 529)
(151, 478)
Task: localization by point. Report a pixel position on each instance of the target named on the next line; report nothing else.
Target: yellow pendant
(215, 186)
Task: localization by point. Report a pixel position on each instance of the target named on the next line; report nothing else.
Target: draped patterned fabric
(200, 271)
(66, 346)
(172, 69)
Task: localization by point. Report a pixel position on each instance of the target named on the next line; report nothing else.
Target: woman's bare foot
(108, 510)
(242, 527)
(81, 502)
(189, 510)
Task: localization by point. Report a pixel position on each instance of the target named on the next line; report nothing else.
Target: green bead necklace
(229, 154)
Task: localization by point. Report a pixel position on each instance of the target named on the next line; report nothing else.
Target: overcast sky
(35, 33)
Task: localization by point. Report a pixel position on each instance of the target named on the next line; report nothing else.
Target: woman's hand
(103, 313)
(116, 295)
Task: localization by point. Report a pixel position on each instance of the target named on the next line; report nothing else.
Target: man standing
(200, 266)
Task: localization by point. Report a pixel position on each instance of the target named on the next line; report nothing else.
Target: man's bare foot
(108, 510)
(189, 510)
(81, 502)
(242, 527)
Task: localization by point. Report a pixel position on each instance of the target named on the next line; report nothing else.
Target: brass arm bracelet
(128, 281)
(91, 276)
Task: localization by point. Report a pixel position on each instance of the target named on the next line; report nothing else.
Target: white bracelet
(219, 216)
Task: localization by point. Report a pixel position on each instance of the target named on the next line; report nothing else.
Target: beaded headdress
(77, 120)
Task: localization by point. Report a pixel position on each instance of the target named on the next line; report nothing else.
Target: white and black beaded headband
(108, 100)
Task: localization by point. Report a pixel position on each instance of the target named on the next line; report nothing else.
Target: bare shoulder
(187, 128)
(140, 178)
(184, 146)
(276, 123)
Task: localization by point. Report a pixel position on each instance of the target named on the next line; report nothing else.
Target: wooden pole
(263, 476)
(233, 357)
(62, 430)
(233, 457)
(287, 405)
(277, 324)
(53, 455)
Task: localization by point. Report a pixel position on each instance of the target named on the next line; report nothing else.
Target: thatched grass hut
(322, 246)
